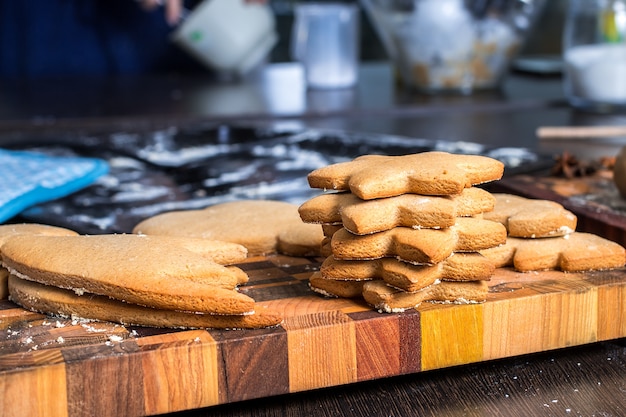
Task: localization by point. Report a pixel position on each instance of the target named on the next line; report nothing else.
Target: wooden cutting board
(62, 367)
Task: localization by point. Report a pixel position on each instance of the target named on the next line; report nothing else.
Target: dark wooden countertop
(277, 95)
(580, 381)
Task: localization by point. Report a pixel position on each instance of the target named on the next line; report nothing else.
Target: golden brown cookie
(469, 266)
(9, 230)
(262, 226)
(531, 218)
(335, 288)
(330, 229)
(454, 292)
(388, 299)
(326, 249)
(574, 252)
(409, 277)
(150, 271)
(407, 210)
(223, 253)
(429, 173)
(303, 240)
(419, 246)
(59, 302)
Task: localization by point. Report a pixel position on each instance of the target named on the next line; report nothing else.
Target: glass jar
(594, 55)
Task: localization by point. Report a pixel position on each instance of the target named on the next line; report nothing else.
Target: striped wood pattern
(59, 367)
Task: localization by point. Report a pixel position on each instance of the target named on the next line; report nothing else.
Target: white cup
(325, 39)
(230, 36)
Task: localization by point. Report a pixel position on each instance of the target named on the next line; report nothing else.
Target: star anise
(569, 166)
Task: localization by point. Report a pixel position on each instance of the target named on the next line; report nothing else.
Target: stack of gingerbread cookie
(542, 235)
(405, 229)
(157, 281)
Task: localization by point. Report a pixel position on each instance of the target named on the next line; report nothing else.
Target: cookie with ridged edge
(531, 218)
(262, 226)
(55, 301)
(407, 210)
(9, 230)
(575, 252)
(429, 173)
(419, 246)
(151, 271)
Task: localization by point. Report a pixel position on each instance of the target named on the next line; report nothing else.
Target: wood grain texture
(39, 391)
(377, 347)
(104, 380)
(611, 320)
(254, 364)
(579, 381)
(109, 370)
(314, 364)
(165, 387)
(451, 335)
(548, 310)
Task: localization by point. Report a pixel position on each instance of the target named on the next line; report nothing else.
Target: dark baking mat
(191, 167)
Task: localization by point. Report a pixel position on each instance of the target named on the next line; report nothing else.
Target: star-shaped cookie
(428, 173)
(419, 246)
(407, 210)
(531, 218)
(409, 277)
(574, 252)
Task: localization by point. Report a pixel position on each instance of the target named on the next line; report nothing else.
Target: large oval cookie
(262, 226)
(152, 271)
(57, 301)
(9, 230)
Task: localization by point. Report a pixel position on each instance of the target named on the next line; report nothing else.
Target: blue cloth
(41, 38)
(30, 178)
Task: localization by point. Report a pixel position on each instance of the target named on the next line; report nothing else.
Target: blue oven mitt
(29, 178)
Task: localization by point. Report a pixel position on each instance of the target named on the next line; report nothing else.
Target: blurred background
(545, 40)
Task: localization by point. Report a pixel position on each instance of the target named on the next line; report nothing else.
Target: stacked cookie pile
(405, 229)
(542, 235)
(157, 281)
